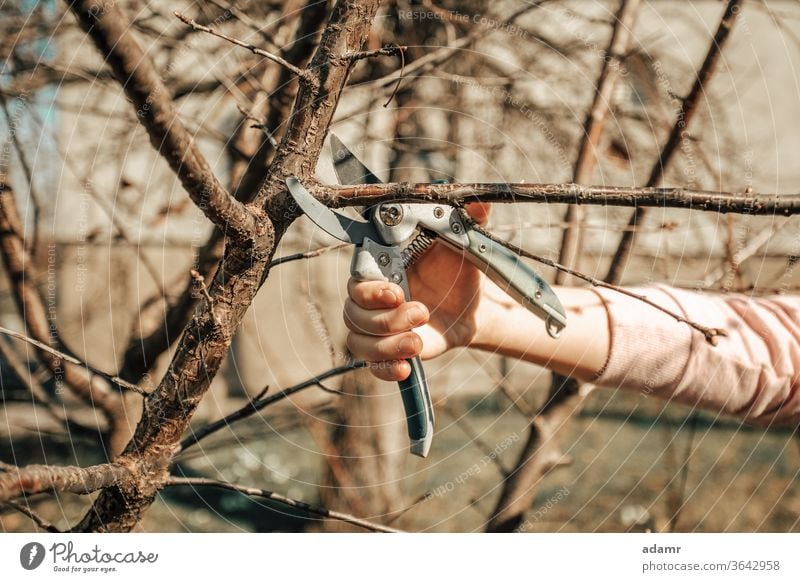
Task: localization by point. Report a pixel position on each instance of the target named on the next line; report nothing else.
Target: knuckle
(385, 324)
(352, 344)
(353, 317)
(347, 315)
(359, 291)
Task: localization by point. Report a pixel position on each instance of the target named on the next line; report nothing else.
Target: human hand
(448, 292)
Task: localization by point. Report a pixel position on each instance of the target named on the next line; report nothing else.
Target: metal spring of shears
(416, 248)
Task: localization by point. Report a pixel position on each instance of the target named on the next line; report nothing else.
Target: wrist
(497, 319)
(507, 328)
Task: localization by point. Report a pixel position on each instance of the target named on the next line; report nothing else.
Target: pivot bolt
(455, 227)
(397, 277)
(391, 214)
(438, 212)
(383, 259)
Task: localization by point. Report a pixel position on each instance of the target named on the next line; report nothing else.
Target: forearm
(620, 342)
(753, 373)
(507, 328)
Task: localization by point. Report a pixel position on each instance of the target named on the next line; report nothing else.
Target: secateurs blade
(392, 237)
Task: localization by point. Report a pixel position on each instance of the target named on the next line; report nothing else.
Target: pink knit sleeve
(753, 374)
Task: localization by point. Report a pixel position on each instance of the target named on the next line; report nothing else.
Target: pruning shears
(392, 237)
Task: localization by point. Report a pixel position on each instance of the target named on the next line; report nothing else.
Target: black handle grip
(418, 407)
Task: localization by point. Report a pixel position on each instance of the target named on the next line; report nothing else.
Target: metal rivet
(391, 214)
(482, 248)
(455, 227)
(438, 212)
(383, 259)
(397, 277)
(538, 294)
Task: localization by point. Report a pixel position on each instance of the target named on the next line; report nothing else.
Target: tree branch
(307, 255)
(503, 192)
(39, 395)
(112, 34)
(33, 479)
(565, 397)
(32, 308)
(144, 349)
(678, 134)
(203, 346)
(254, 492)
(259, 403)
(436, 57)
(72, 360)
(710, 333)
(302, 73)
(282, 89)
(539, 456)
(28, 171)
(594, 126)
(40, 522)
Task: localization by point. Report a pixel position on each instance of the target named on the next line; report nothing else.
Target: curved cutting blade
(349, 169)
(335, 224)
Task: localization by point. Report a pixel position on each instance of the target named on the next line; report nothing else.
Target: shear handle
(375, 262)
(517, 279)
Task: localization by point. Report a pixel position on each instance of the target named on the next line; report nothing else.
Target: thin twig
(436, 57)
(257, 404)
(668, 226)
(26, 168)
(302, 73)
(306, 255)
(401, 512)
(257, 124)
(35, 517)
(679, 132)
(37, 391)
(250, 22)
(710, 333)
(594, 126)
(324, 388)
(111, 214)
(740, 256)
(499, 377)
(475, 439)
(72, 360)
(255, 492)
(399, 79)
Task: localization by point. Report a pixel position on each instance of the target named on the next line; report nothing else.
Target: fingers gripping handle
(375, 262)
